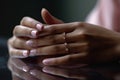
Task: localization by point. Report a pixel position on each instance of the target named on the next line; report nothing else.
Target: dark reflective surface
(4, 72)
(24, 69)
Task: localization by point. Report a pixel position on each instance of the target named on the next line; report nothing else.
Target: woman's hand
(72, 43)
(86, 44)
(27, 31)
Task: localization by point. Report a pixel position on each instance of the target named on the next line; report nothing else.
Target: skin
(86, 43)
(91, 43)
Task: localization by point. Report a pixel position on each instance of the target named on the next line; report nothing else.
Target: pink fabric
(106, 14)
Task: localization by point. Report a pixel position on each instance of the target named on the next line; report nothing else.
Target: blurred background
(12, 11)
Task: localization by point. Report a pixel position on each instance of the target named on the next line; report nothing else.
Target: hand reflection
(24, 70)
(98, 72)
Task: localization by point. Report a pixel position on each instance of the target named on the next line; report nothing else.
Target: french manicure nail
(44, 69)
(39, 27)
(34, 34)
(29, 43)
(47, 70)
(46, 61)
(33, 52)
(25, 53)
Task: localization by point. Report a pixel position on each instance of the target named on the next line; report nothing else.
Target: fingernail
(46, 61)
(33, 52)
(25, 53)
(39, 27)
(29, 43)
(25, 68)
(34, 34)
(47, 70)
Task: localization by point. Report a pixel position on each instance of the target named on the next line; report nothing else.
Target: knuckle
(16, 29)
(52, 28)
(26, 18)
(10, 41)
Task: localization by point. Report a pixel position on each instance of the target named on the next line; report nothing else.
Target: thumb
(48, 18)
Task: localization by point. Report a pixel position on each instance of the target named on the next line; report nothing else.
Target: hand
(86, 44)
(28, 29)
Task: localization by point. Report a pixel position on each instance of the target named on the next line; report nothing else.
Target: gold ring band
(65, 43)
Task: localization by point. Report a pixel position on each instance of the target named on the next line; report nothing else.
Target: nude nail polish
(39, 27)
(47, 70)
(46, 61)
(29, 43)
(33, 52)
(25, 53)
(34, 34)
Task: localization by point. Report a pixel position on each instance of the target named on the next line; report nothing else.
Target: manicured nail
(34, 34)
(25, 68)
(33, 52)
(39, 27)
(29, 43)
(45, 70)
(46, 61)
(25, 53)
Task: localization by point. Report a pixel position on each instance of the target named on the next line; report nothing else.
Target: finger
(48, 18)
(23, 31)
(66, 73)
(17, 53)
(19, 43)
(58, 28)
(49, 50)
(32, 23)
(46, 41)
(43, 76)
(21, 74)
(22, 65)
(78, 58)
(23, 43)
(56, 39)
(60, 49)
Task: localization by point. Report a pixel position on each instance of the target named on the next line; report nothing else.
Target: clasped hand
(63, 44)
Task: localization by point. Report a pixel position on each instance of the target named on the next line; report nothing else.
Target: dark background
(12, 11)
